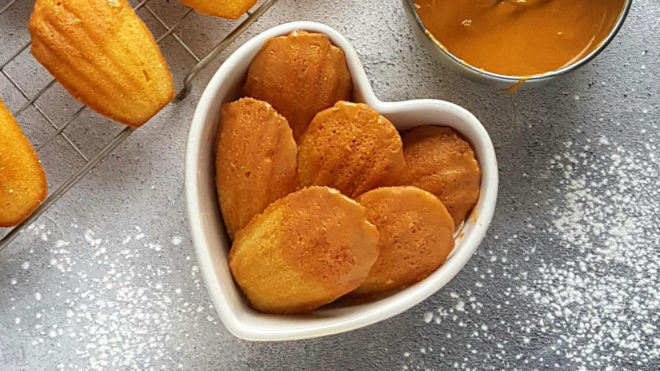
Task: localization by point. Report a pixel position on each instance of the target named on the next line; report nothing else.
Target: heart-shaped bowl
(207, 228)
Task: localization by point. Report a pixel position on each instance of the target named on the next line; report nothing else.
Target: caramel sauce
(510, 38)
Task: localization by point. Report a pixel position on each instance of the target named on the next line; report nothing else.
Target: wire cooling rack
(58, 130)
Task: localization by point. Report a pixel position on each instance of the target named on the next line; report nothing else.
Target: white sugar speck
(176, 240)
(37, 296)
(89, 237)
(428, 317)
(25, 265)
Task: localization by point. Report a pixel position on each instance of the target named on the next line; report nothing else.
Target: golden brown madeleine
(443, 163)
(416, 235)
(23, 183)
(255, 160)
(352, 148)
(299, 74)
(305, 250)
(231, 9)
(103, 54)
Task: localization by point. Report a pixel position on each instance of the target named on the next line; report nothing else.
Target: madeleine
(305, 250)
(352, 148)
(438, 160)
(299, 74)
(416, 235)
(255, 160)
(230, 9)
(23, 183)
(104, 55)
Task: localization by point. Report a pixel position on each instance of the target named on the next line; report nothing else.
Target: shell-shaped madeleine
(438, 160)
(416, 236)
(104, 55)
(23, 183)
(255, 160)
(230, 9)
(300, 74)
(305, 250)
(350, 147)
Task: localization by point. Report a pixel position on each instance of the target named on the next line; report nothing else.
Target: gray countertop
(566, 278)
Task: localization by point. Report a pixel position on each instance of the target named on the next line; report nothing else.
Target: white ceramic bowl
(208, 233)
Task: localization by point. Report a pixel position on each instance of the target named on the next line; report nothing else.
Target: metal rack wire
(89, 162)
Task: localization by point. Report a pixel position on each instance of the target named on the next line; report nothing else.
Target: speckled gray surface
(567, 277)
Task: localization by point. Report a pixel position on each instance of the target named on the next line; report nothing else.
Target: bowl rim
(393, 304)
(437, 46)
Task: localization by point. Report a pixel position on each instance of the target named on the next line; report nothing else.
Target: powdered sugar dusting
(603, 304)
(122, 310)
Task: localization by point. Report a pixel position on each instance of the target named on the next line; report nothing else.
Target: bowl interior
(212, 244)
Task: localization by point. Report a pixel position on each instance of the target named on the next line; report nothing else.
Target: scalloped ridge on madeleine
(23, 183)
(352, 148)
(300, 74)
(305, 250)
(416, 236)
(230, 9)
(104, 55)
(255, 160)
(438, 160)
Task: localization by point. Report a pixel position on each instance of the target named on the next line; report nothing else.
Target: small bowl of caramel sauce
(508, 43)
